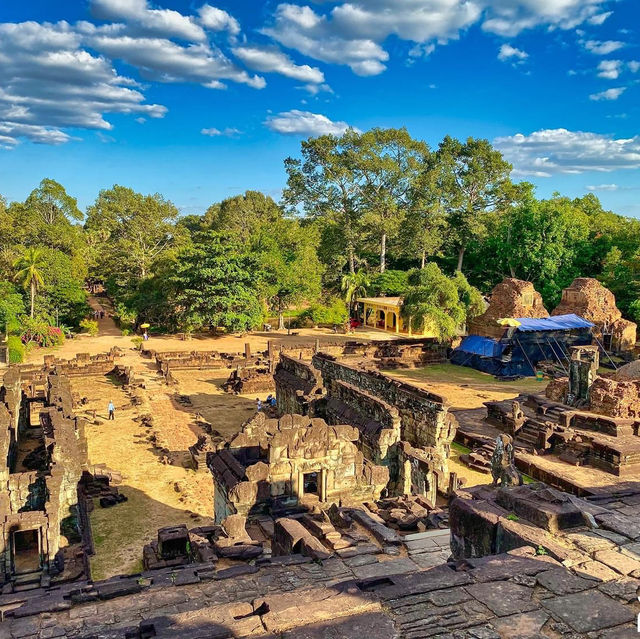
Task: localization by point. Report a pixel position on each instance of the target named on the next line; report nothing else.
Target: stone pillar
(583, 370)
(247, 351)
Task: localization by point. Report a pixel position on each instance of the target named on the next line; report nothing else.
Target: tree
(30, 266)
(324, 186)
(11, 306)
(51, 201)
(216, 285)
(387, 163)
(244, 216)
(391, 282)
(292, 273)
(439, 303)
(474, 179)
(130, 234)
(354, 285)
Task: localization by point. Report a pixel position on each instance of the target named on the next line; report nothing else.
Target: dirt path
(106, 325)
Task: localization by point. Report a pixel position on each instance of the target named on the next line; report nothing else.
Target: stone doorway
(26, 551)
(311, 484)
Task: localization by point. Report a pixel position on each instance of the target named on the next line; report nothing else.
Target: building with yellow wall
(384, 313)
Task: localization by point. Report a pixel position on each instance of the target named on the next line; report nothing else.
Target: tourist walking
(112, 410)
(259, 404)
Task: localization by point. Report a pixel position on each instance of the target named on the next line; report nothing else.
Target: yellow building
(384, 313)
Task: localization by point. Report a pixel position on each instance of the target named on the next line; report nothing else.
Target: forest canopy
(374, 213)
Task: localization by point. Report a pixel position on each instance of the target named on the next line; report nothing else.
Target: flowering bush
(38, 331)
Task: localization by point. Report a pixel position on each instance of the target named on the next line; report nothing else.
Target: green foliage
(391, 282)
(216, 285)
(89, 326)
(11, 307)
(332, 312)
(355, 285)
(512, 517)
(16, 349)
(438, 303)
(541, 550)
(39, 332)
(29, 267)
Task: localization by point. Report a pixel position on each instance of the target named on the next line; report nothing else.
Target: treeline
(371, 213)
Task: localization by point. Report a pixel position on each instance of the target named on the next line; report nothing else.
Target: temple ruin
(42, 457)
(589, 299)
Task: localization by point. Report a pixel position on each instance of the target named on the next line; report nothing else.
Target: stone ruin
(248, 380)
(275, 464)
(40, 467)
(510, 298)
(589, 299)
(298, 386)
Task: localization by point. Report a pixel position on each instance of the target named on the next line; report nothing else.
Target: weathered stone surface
(522, 625)
(619, 562)
(589, 611)
(503, 598)
(562, 583)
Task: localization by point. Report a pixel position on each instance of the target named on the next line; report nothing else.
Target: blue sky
(203, 100)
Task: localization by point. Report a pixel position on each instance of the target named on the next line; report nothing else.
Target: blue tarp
(483, 346)
(557, 323)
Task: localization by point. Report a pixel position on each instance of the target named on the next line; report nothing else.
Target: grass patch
(459, 448)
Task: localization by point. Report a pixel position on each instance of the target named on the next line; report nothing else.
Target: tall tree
(354, 285)
(387, 163)
(51, 201)
(323, 185)
(130, 233)
(30, 267)
(474, 179)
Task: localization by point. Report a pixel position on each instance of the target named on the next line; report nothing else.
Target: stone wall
(424, 416)
(298, 386)
(38, 500)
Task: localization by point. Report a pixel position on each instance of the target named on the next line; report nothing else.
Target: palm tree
(354, 285)
(29, 266)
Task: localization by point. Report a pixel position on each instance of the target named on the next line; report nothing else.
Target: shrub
(137, 342)
(16, 349)
(38, 331)
(333, 312)
(89, 326)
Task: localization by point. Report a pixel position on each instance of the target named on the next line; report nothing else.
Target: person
(273, 401)
(268, 400)
(146, 335)
(112, 410)
(259, 404)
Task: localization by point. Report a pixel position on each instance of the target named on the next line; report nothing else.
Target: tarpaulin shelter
(521, 347)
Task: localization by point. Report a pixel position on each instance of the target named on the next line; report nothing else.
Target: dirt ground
(158, 494)
(466, 387)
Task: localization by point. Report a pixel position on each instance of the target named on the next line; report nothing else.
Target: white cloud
(507, 52)
(49, 83)
(218, 20)
(162, 60)
(603, 187)
(143, 20)
(603, 48)
(227, 133)
(554, 151)
(304, 123)
(302, 29)
(634, 66)
(274, 61)
(609, 94)
(610, 69)
(599, 18)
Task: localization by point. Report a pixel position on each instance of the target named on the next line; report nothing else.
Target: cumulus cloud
(216, 19)
(142, 19)
(599, 18)
(274, 61)
(609, 94)
(603, 48)
(610, 69)
(304, 30)
(49, 83)
(304, 123)
(507, 52)
(163, 60)
(226, 133)
(554, 151)
(634, 66)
